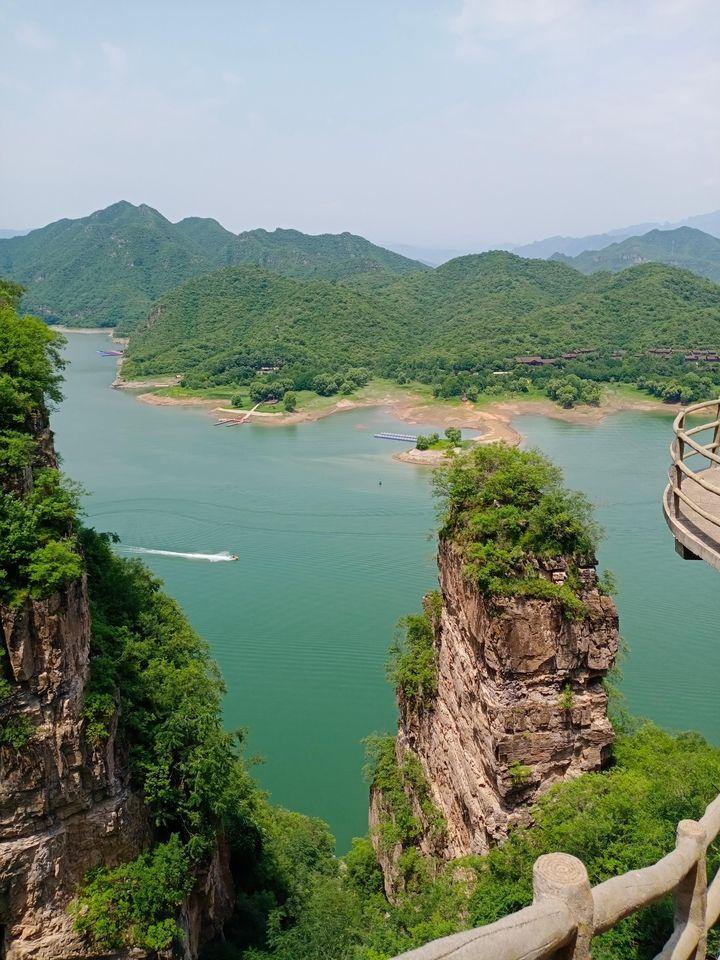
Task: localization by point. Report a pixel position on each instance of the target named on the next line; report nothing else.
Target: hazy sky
(443, 122)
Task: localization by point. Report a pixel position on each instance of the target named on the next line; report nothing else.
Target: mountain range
(107, 269)
(205, 302)
(572, 246)
(683, 247)
(475, 312)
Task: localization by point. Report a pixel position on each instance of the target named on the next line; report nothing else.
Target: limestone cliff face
(64, 806)
(520, 705)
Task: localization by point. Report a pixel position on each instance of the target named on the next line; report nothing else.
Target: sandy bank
(60, 328)
(493, 421)
(421, 458)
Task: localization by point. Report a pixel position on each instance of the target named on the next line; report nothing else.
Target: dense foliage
(459, 328)
(684, 247)
(412, 663)
(37, 519)
(222, 328)
(571, 390)
(396, 781)
(108, 268)
(615, 821)
(505, 509)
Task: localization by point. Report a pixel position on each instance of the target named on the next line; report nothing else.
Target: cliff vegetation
(508, 513)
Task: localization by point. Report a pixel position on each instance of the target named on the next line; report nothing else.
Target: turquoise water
(669, 608)
(334, 540)
(330, 558)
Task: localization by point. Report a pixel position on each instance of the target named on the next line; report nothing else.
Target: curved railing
(692, 497)
(566, 912)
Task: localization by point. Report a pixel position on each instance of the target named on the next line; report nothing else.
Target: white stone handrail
(567, 912)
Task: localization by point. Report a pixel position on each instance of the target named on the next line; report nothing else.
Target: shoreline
(61, 328)
(494, 421)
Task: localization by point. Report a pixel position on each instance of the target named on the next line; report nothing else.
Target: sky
(449, 123)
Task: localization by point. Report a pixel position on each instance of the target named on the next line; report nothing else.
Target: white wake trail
(208, 557)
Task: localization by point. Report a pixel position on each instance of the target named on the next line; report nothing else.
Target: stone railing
(566, 912)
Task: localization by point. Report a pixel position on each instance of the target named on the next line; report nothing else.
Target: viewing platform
(691, 502)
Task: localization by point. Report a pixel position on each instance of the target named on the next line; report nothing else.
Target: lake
(335, 544)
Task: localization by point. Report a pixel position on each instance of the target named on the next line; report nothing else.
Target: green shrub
(519, 774)
(15, 731)
(412, 662)
(395, 782)
(384, 774)
(98, 711)
(567, 699)
(53, 566)
(607, 583)
(433, 603)
(135, 904)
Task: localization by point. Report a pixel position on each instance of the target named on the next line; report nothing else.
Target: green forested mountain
(221, 326)
(472, 314)
(476, 306)
(109, 268)
(684, 247)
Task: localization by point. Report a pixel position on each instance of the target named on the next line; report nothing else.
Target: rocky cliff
(520, 705)
(65, 806)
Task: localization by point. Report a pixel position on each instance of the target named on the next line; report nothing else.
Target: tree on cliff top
(507, 508)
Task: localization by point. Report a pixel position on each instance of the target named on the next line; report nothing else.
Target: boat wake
(222, 557)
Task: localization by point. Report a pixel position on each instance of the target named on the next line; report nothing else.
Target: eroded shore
(494, 421)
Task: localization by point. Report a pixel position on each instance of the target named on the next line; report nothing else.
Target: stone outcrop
(520, 705)
(65, 806)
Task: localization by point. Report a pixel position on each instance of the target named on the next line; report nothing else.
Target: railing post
(716, 432)
(678, 475)
(691, 892)
(558, 876)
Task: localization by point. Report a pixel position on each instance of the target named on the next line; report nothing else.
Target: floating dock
(403, 437)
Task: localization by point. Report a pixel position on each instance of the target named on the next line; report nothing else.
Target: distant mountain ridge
(573, 246)
(108, 268)
(684, 247)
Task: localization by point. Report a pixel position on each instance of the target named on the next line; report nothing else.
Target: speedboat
(234, 556)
